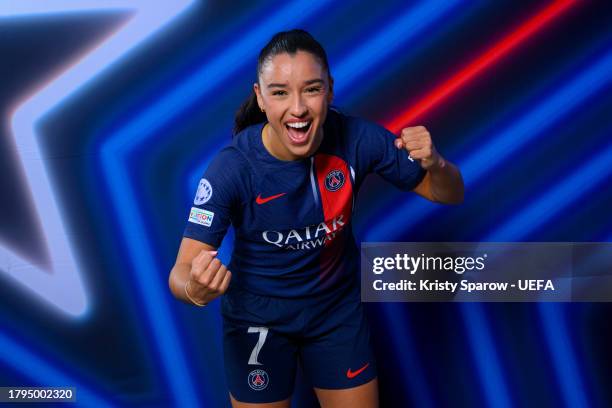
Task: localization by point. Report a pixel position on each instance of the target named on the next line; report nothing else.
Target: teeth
(298, 125)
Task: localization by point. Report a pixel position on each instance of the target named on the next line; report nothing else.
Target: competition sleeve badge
(200, 216)
(204, 192)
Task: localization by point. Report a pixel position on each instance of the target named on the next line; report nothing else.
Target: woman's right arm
(197, 266)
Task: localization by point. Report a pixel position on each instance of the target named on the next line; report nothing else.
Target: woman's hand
(442, 182)
(208, 277)
(417, 142)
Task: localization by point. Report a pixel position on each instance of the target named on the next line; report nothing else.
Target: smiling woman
(288, 183)
(295, 107)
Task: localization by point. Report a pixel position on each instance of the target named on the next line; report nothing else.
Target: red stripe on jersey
(338, 202)
(336, 189)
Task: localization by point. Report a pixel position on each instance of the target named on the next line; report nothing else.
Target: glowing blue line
(558, 337)
(405, 352)
(64, 288)
(535, 216)
(30, 8)
(397, 33)
(154, 295)
(40, 371)
(503, 146)
(485, 356)
(148, 20)
(413, 211)
(554, 201)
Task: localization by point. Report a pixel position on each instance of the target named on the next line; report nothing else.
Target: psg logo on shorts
(334, 180)
(258, 380)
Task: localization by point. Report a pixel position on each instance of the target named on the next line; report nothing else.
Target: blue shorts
(265, 338)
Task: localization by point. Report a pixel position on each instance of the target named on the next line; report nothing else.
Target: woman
(287, 183)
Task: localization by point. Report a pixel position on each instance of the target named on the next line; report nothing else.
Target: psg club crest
(334, 180)
(204, 192)
(258, 380)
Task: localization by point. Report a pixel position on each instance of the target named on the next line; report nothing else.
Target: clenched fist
(208, 278)
(417, 142)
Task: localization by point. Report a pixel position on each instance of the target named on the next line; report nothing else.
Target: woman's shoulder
(230, 170)
(232, 159)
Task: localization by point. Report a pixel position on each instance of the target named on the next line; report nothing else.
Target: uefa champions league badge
(334, 180)
(258, 379)
(204, 192)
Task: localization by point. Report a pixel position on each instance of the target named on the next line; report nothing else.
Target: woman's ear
(258, 94)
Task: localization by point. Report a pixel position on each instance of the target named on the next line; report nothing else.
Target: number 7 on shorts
(263, 333)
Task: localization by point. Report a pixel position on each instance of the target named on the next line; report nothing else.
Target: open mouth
(298, 131)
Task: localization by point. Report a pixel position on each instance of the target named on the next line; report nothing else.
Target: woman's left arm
(442, 182)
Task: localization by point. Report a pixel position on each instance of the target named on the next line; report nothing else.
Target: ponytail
(248, 114)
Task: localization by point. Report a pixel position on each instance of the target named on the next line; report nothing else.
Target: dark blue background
(123, 154)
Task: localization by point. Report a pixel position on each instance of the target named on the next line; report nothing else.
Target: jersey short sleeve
(376, 152)
(217, 198)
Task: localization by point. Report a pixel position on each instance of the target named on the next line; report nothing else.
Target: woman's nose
(298, 108)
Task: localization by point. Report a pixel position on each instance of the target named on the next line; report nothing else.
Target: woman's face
(294, 91)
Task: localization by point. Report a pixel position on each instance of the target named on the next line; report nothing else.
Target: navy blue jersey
(292, 219)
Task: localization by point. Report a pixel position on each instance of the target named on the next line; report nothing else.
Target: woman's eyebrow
(309, 82)
(314, 81)
(276, 85)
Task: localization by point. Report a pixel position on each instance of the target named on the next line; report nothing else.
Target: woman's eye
(279, 93)
(315, 89)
